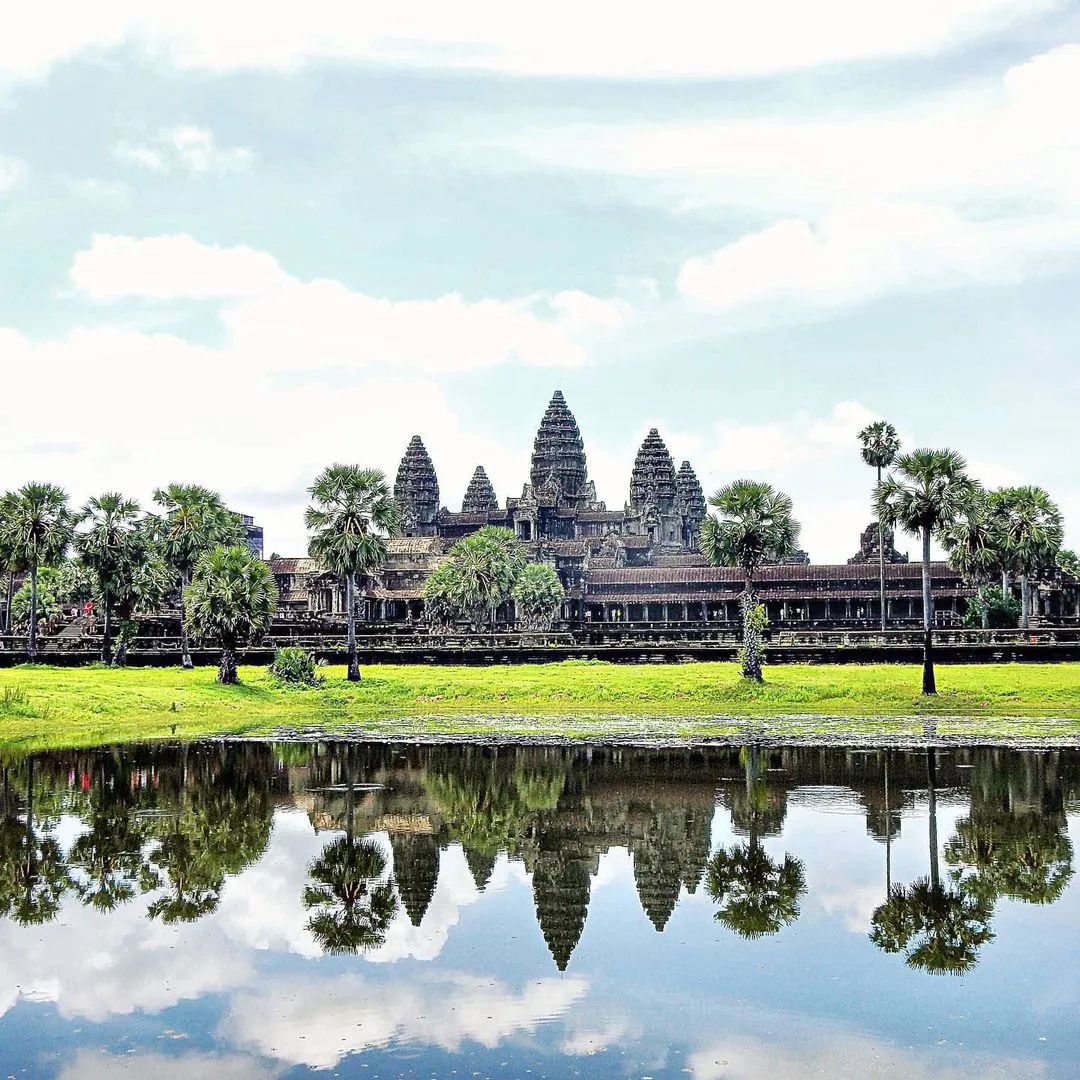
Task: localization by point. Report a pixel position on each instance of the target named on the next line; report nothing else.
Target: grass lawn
(45, 707)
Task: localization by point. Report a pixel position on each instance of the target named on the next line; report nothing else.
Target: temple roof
(417, 487)
(825, 573)
(652, 481)
(558, 459)
(480, 495)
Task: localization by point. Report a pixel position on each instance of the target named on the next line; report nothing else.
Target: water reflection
(340, 851)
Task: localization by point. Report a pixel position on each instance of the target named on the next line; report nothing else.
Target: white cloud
(12, 173)
(687, 38)
(316, 1022)
(280, 323)
(170, 268)
(100, 1065)
(859, 253)
(853, 1056)
(185, 147)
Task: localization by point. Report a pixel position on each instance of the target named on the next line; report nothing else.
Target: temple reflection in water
(175, 824)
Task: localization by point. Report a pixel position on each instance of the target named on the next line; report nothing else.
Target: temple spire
(480, 495)
(690, 501)
(416, 490)
(652, 482)
(558, 452)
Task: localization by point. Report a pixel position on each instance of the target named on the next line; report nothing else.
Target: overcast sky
(241, 241)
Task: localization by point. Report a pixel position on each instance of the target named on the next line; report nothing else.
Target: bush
(294, 666)
(1002, 610)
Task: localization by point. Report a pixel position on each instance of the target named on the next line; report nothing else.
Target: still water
(268, 910)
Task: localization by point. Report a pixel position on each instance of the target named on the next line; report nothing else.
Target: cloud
(100, 1065)
(171, 268)
(857, 254)
(184, 148)
(316, 1022)
(854, 1056)
(688, 38)
(12, 174)
(280, 323)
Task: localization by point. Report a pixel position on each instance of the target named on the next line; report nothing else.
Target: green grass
(46, 707)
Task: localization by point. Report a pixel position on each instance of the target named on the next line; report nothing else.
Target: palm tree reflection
(757, 895)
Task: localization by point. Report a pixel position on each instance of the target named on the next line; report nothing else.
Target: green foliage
(1031, 526)
(880, 444)
(1069, 563)
(755, 624)
(753, 525)
(195, 520)
(476, 578)
(352, 513)
(994, 609)
(538, 596)
(232, 597)
(36, 526)
(756, 896)
(294, 666)
(928, 489)
(48, 604)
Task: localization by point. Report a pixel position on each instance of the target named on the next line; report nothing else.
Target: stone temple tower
(558, 459)
(690, 504)
(480, 495)
(653, 493)
(417, 491)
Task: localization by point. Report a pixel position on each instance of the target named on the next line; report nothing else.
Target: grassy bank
(42, 707)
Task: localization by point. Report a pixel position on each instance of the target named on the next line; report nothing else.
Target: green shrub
(294, 666)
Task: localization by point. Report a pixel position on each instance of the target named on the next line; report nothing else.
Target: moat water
(269, 910)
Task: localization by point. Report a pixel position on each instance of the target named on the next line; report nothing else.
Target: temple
(637, 564)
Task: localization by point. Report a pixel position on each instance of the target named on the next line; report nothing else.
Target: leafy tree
(1032, 528)
(925, 494)
(477, 577)
(1069, 562)
(993, 609)
(110, 547)
(194, 520)
(753, 525)
(976, 548)
(880, 447)
(351, 899)
(37, 528)
(538, 596)
(232, 597)
(48, 600)
(143, 590)
(351, 515)
(758, 896)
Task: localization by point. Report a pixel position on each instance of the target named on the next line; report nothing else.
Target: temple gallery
(637, 564)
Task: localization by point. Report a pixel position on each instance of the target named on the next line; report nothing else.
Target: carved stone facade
(868, 547)
(416, 490)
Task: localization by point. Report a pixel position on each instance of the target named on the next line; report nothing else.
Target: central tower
(558, 458)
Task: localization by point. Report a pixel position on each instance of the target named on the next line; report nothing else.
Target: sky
(240, 242)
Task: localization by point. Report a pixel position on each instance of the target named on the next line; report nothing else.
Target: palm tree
(880, 447)
(8, 562)
(232, 597)
(351, 900)
(195, 520)
(925, 494)
(975, 547)
(351, 515)
(143, 589)
(37, 529)
(753, 525)
(108, 549)
(1033, 531)
(538, 596)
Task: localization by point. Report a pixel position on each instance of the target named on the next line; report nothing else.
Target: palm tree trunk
(984, 607)
(227, 671)
(888, 834)
(931, 781)
(31, 639)
(929, 683)
(10, 594)
(106, 634)
(185, 644)
(353, 674)
(1025, 602)
(881, 556)
(751, 652)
